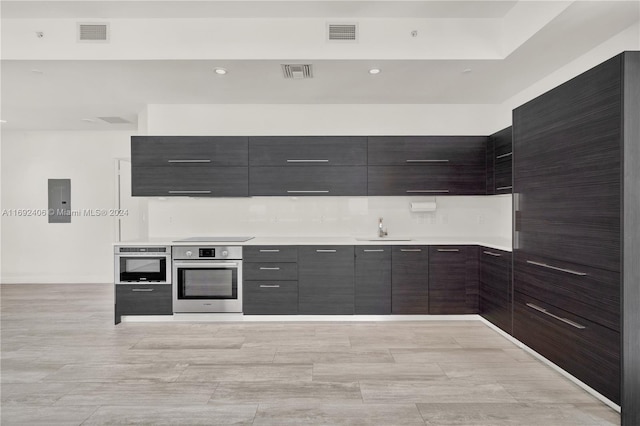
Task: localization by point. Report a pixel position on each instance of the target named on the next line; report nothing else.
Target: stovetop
(214, 240)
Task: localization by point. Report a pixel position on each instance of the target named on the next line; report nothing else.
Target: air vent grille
(93, 32)
(114, 120)
(342, 32)
(297, 71)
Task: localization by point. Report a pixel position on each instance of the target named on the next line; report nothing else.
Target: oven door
(207, 286)
(135, 269)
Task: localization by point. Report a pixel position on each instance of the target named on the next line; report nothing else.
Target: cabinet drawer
(190, 181)
(270, 254)
(189, 151)
(301, 180)
(270, 298)
(585, 349)
(143, 299)
(588, 292)
(434, 179)
(308, 150)
(270, 271)
(426, 150)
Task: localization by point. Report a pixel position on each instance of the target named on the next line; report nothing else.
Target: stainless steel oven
(142, 264)
(207, 279)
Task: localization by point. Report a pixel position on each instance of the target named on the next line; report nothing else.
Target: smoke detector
(342, 32)
(297, 71)
(93, 32)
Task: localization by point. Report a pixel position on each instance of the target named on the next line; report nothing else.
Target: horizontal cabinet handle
(427, 191)
(372, 251)
(307, 161)
(490, 253)
(189, 192)
(325, 251)
(269, 286)
(307, 192)
(555, 268)
(427, 161)
(141, 289)
(270, 251)
(449, 250)
(262, 268)
(564, 320)
(410, 249)
(504, 155)
(500, 188)
(189, 161)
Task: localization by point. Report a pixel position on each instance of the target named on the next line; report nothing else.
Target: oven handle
(201, 264)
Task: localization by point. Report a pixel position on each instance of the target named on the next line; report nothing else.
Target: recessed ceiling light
(89, 120)
(466, 70)
(37, 71)
(220, 71)
(374, 71)
(3, 121)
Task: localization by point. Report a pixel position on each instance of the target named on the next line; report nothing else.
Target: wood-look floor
(65, 363)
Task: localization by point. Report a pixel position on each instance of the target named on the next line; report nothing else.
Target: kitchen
(86, 155)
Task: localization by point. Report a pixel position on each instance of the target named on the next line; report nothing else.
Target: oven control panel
(207, 252)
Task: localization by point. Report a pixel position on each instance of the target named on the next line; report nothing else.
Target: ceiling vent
(342, 32)
(114, 120)
(88, 32)
(297, 71)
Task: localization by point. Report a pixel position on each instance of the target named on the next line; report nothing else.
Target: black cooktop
(214, 240)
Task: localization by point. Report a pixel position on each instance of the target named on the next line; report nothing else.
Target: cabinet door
(433, 179)
(143, 299)
(190, 181)
(308, 150)
(189, 151)
(302, 180)
(503, 152)
(426, 150)
(583, 348)
(410, 280)
(270, 297)
(496, 293)
(567, 158)
(453, 280)
(490, 164)
(373, 280)
(326, 280)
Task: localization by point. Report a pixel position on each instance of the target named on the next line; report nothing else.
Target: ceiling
(69, 89)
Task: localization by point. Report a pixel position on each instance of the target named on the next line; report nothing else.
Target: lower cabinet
(453, 280)
(143, 299)
(326, 280)
(373, 280)
(496, 292)
(410, 280)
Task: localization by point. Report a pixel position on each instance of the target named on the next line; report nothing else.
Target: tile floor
(65, 363)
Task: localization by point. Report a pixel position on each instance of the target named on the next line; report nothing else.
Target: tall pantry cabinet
(576, 162)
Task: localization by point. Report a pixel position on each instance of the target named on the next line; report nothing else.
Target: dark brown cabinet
(576, 182)
(410, 280)
(453, 280)
(308, 151)
(499, 162)
(270, 275)
(426, 165)
(326, 280)
(203, 166)
(496, 292)
(142, 299)
(308, 181)
(373, 280)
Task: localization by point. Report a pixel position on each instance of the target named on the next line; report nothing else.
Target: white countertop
(491, 242)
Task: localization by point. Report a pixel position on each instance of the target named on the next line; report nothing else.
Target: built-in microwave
(142, 264)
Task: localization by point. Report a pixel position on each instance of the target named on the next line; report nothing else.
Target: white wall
(34, 250)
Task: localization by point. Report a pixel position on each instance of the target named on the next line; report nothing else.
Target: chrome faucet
(381, 231)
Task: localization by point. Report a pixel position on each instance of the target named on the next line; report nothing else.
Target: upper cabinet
(426, 165)
(203, 166)
(308, 151)
(499, 164)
